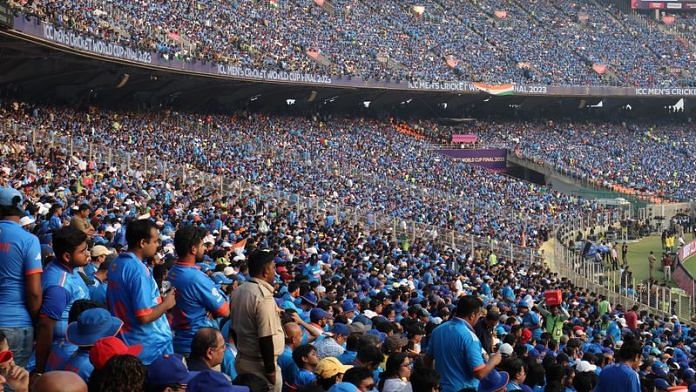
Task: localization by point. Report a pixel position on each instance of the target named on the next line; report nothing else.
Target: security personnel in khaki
(256, 322)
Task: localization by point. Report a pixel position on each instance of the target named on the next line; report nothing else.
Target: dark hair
(423, 378)
(468, 305)
(393, 366)
(139, 230)
(629, 349)
(356, 375)
(83, 207)
(259, 259)
(80, 306)
(2, 336)
(66, 240)
(513, 366)
(122, 373)
(368, 354)
(187, 237)
(585, 381)
(252, 381)
(301, 352)
(204, 339)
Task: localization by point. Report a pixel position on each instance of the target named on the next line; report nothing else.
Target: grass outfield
(638, 257)
(690, 265)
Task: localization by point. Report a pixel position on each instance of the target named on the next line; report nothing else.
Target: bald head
(293, 334)
(59, 381)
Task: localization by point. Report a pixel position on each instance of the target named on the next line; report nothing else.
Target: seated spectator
(306, 359)
(495, 381)
(356, 379)
(395, 377)
(168, 374)
(251, 381)
(212, 381)
(122, 373)
(424, 379)
(332, 346)
(329, 372)
(59, 381)
(207, 350)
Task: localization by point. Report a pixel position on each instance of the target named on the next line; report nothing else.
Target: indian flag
(496, 89)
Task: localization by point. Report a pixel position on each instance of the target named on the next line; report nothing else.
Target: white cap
(226, 244)
(584, 366)
(505, 349)
(26, 221)
(228, 271)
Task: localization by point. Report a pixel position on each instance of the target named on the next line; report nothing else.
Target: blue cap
(310, 298)
(348, 305)
(661, 383)
(10, 197)
(92, 325)
(493, 381)
(340, 329)
(522, 304)
(220, 278)
(203, 266)
(213, 381)
(317, 314)
(168, 369)
(346, 387)
(380, 335)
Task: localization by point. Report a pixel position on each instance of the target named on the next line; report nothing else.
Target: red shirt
(631, 320)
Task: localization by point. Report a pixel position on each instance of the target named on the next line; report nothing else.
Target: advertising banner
(489, 158)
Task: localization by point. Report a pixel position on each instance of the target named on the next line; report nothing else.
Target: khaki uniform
(254, 314)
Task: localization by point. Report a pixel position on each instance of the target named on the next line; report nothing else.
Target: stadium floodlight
(290, 102)
(366, 104)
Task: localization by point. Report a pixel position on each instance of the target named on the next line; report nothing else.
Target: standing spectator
(80, 220)
(133, 295)
(651, 264)
(62, 286)
(621, 376)
(397, 372)
(197, 297)
(457, 351)
(667, 266)
(293, 340)
(256, 323)
(614, 258)
(20, 274)
(631, 318)
(207, 349)
(624, 253)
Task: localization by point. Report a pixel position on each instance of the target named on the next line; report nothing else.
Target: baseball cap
(395, 342)
(506, 349)
(10, 197)
(340, 329)
(212, 381)
(661, 383)
(329, 367)
(348, 305)
(100, 250)
(26, 221)
(92, 325)
(317, 314)
(106, 348)
(168, 369)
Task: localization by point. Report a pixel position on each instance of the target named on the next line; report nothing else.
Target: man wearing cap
(20, 273)
(198, 302)
(91, 325)
(98, 253)
(319, 318)
(256, 322)
(97, 291)
(457, 352)
(330, 372)
(80, 220)
(332, 346)
(168, 373)
(133, 296)
(62, 286)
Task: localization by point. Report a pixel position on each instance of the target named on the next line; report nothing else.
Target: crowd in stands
(333, 161)
(501, 41)
(125, 280)
(652, 159)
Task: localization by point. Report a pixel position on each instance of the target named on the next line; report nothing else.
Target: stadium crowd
(653, 159)
(117, 279)
(543, 41)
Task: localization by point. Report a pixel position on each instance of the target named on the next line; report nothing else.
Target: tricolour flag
(496, 89)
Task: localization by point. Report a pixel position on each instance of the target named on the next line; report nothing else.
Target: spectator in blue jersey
(306, 359)
(62, 286)
(207, 349)
(97, 291)
(98, 253)
(622, 376)
(20, 274)
(133, 296)
(457, 351)
(293, 340)
(198, 301)
(91, 325)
